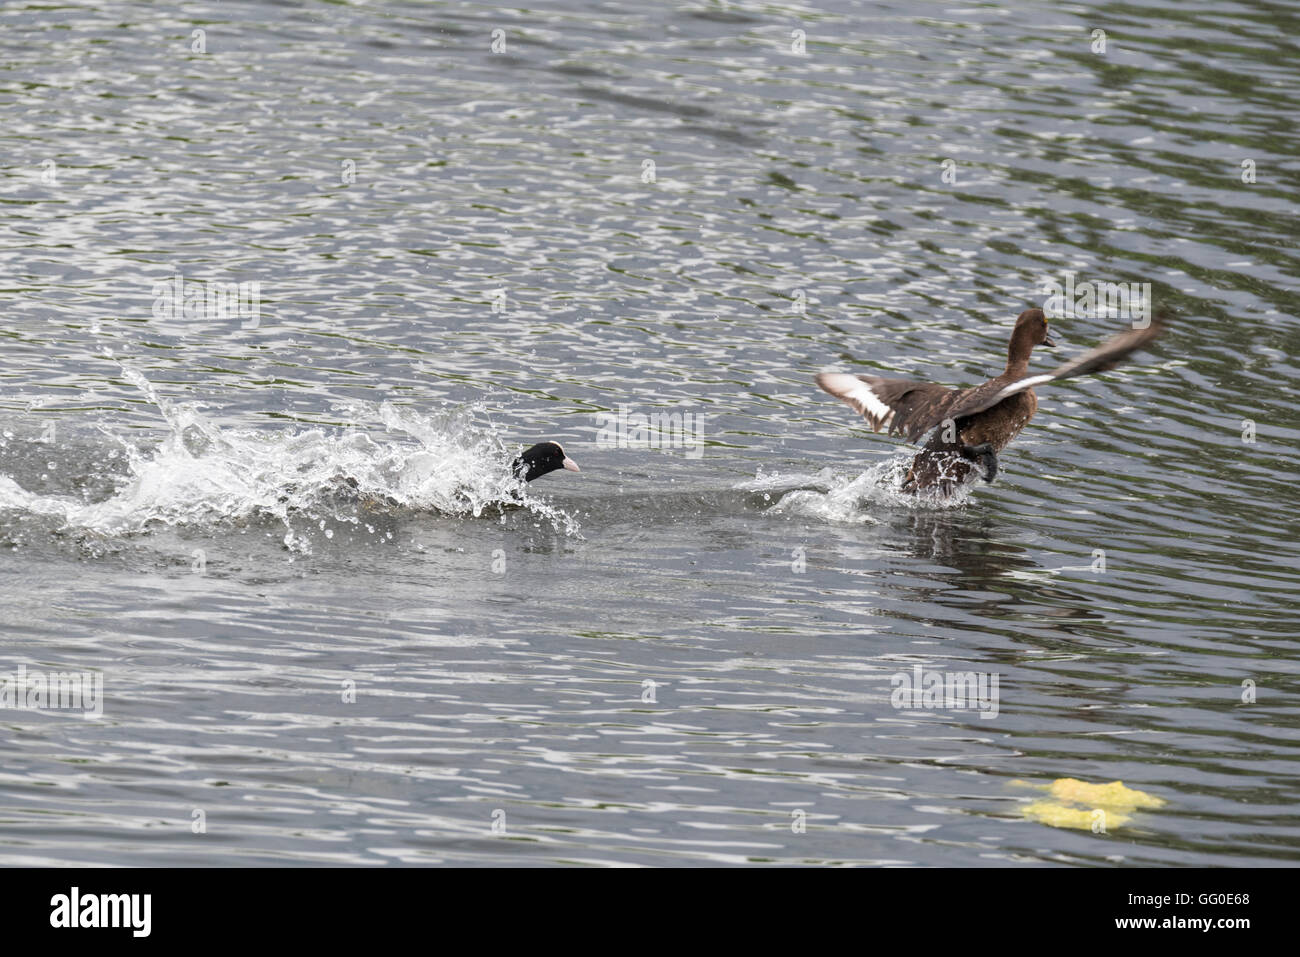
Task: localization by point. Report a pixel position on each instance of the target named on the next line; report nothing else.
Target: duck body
(965, 429)
(944, 465)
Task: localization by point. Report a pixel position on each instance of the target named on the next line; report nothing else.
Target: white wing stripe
(857, 393)
(1022, 385)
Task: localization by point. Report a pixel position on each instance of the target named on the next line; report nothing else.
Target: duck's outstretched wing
(894, 406)
(904, 407)
(1106, 356)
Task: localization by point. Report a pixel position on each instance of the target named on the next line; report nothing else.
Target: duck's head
(542, 458)
(1031, 330)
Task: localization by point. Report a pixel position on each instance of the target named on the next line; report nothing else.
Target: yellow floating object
(1097, 807)
(1114, 794)
(1084, 819)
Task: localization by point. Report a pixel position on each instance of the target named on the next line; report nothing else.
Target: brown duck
(970, 426)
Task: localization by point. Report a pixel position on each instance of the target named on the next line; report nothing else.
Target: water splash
(201, 474)
(835, 498)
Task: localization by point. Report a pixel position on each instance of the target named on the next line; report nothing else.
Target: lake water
(276, 536)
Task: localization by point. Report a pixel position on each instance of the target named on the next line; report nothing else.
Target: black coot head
(542, 458)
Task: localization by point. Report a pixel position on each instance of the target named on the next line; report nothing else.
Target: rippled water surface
(332, 629)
